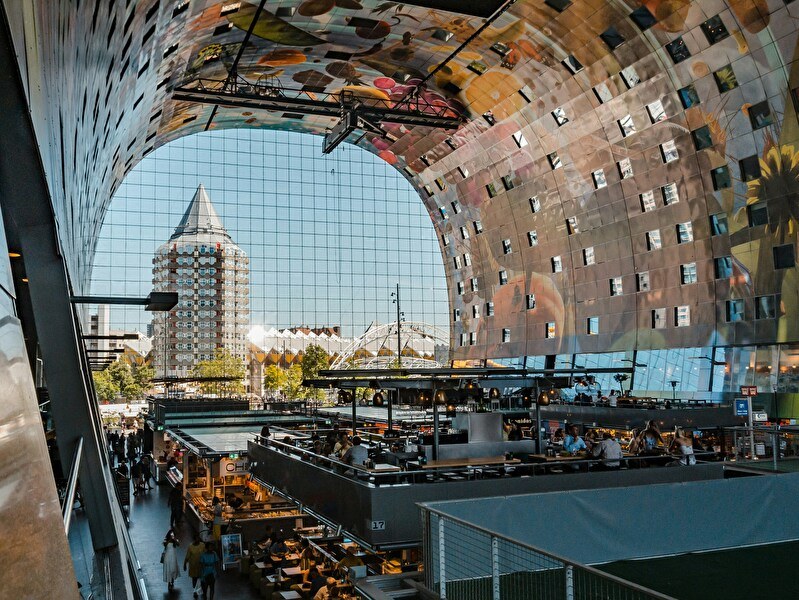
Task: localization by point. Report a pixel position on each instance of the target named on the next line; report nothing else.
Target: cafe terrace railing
(465, 562)
(771, 448)
(428, 474)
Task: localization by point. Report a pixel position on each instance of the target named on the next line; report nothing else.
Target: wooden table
(383, 468)
(291, 572)
(289, 595)
(454, 463)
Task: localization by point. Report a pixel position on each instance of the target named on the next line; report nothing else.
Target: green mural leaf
(272, 28)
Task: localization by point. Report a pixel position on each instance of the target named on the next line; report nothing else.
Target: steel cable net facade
(625, 177)
(422, 346)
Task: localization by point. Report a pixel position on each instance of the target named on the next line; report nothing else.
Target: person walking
(169, 558)
(208, 562)
(192, 560)
(175, 503)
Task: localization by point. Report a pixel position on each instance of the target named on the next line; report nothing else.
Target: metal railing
(463, 561)
(774, 448)
(72, 485)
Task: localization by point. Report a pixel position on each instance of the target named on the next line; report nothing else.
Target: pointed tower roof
(200, 218)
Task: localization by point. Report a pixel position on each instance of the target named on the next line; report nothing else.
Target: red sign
(748, 390)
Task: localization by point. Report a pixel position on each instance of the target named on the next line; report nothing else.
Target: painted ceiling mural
(625, 175)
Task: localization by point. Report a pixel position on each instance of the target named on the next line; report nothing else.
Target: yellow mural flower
(778, 184)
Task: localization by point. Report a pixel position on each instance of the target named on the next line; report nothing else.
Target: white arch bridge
(376, 348)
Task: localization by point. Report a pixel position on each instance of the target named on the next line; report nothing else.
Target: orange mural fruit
(486, 91)
(669, 13)
(314, 8)
(281, 57)
(752, 14)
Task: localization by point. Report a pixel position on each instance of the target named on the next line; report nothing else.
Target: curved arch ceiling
(573, 113)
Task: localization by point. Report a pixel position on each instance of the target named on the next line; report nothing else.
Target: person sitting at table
(355, 454)
(558, 436)
(634, 447)
(609, 451)
(279, 547)
(324, 592)
(573, 443)
(266, 541)
(591, 438)
(318, 579)
(651, 437)
(682, 445)
(349, 560)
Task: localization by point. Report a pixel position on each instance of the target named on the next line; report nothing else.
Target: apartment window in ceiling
(492, 190)
(643, 18)
(642, 281)
(688, 273)
(722, 267)
(501, 49)
(670, 194)
(464, 339)
(489, 118)
(571, 225)
(760, 115)
(464, 233)
(599, 179)
(428, 190)
(475, 311)
(678, 50)
(702, 138)
(506, 247)
(630, 77)
(589, 258)
(668, 151)
(530, 301)
(527, 94)
(784, 256)
(718, 224)
(572, 64)
(648, 201)
(456, 207)
(656, 111)
(626, 125)
(612, 38)
(474, 286)
(503, 277)
(463, 171)
(505, 335)
(444, 240)
(653, 241)
(549, 330)
(456, 314)
(592, 325)
(442, 185)
(457, 261)
(557, 264)
(461, 288)
(688, 96)
(750, 168)
(625, 168)
(477, 66)
(509, 181)
(467, 259)
(616, 288)
(765, 307)
(658, 318)
(757, 214)
(478, 227)
(554, 161)
(603, 93)
(560, 116)
(520, 140)
(714, 30)
(725, 79)
(685, 232)
(721, 178)
(735, 310)
(682, 316)
(443, 212)
(489, 309)
(558, 5)
(532, 238)
(535, 204)
(472, 338)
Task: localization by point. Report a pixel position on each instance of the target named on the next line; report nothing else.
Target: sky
(328, 236)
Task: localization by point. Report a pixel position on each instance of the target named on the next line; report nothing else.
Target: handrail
(555, 557)
(72, 484)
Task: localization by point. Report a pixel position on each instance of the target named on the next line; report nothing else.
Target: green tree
(314, 360)
(104, 386)
(223, 364)
(120, 373)
(143, 376)
(293, 388)
(275, 378)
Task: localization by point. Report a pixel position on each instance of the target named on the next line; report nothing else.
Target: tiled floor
(149, 522)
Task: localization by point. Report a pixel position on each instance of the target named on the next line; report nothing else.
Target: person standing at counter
(175, 503)
(192, 560)
(216, 509)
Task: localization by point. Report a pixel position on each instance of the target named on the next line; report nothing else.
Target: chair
(255, 577)
(267, 588)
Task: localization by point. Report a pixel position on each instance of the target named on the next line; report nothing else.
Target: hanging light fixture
(441, 397)
(377, 399)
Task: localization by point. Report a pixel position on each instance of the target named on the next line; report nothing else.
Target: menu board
(231, 549)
